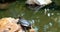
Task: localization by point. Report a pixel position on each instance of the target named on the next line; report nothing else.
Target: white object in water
(45, 11)
(22, 14)
(33, 21)
(39, 2)
(50, 24)
(52, 13)
(48, 14)
(44, 2)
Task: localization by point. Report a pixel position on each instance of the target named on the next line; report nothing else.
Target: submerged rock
(5, 3)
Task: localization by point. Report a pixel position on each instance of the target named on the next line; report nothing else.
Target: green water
(43, 21)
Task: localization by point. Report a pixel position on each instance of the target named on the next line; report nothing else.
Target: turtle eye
(9, 28)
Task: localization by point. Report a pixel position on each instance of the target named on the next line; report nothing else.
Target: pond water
(44, 20)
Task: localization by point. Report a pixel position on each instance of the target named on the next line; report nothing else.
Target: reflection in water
(34, 26)
(36, 29)
(32, 22)
(22, 14)
(45, 28)
(46, 10)
(48, 15)
(50, 24)
(52, 14)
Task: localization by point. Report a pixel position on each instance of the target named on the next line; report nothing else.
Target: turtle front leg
(32, 30)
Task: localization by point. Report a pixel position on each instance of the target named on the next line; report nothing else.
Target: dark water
(44, 20)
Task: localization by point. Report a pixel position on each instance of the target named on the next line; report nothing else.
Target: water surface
(44, 20)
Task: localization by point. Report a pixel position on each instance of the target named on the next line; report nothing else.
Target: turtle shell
(24, 22)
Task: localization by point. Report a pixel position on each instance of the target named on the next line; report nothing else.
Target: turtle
(25, 24)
